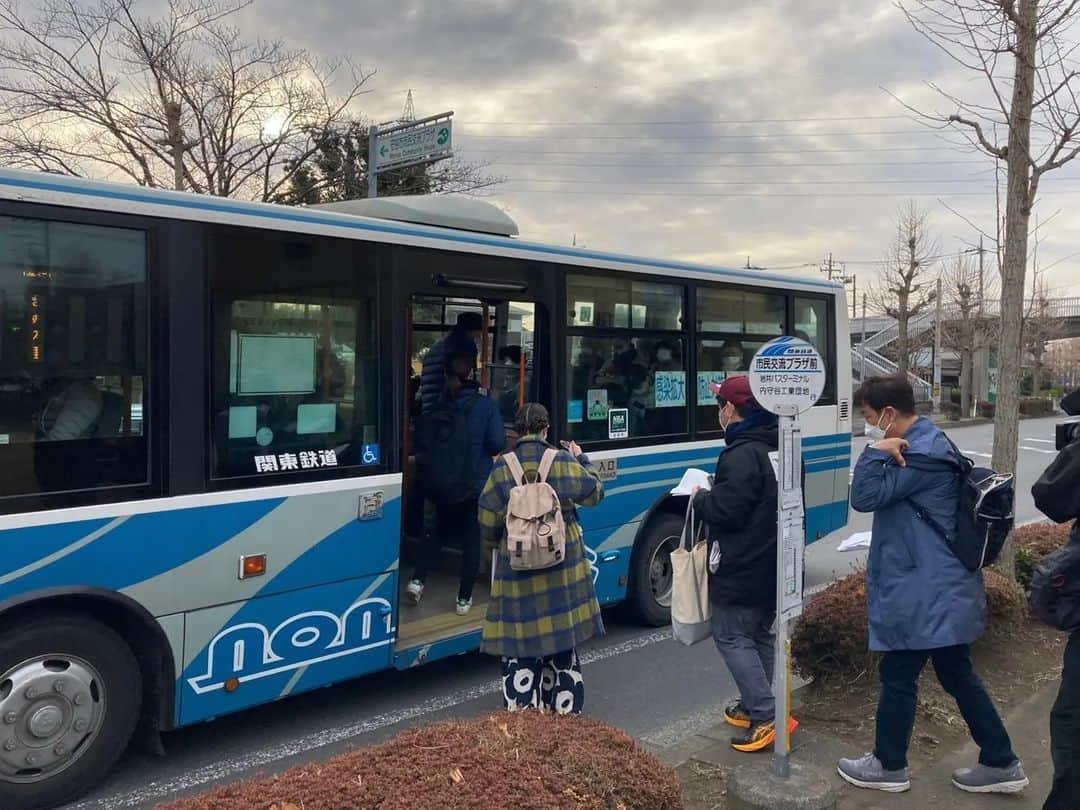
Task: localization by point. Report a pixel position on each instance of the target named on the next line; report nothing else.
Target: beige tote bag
(690, 608)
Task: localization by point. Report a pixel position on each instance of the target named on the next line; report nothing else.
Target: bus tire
(70, 695)
(650, 578)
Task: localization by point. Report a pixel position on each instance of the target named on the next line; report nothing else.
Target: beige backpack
(535, 530)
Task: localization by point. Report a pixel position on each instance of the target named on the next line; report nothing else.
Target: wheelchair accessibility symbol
(369, 454)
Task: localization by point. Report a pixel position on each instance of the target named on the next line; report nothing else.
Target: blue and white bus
(204, 440)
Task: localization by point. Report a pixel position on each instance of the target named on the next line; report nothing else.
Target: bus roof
(62, 190)
(441, 211)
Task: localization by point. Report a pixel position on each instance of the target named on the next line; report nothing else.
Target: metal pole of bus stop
(790, 543)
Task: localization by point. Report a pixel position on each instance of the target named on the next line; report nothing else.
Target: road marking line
(976, 453)
(1039, 450)
(228, 768)
(1041, 441)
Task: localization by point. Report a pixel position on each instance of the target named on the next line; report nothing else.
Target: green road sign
(417, 144)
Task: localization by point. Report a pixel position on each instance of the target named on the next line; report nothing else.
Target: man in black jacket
(1057, 495)
(740, 512)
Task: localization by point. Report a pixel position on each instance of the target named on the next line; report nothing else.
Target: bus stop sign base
(757, 787)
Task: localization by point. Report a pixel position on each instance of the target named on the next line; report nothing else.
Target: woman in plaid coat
(536, 619)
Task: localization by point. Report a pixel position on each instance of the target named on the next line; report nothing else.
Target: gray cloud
(624, 63)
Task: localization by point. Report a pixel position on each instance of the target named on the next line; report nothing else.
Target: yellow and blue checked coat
(536, 614)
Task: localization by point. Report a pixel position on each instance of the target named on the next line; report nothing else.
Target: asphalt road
(637, 679)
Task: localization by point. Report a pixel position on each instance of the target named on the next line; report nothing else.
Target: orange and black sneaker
(760, 737)
(736, 715)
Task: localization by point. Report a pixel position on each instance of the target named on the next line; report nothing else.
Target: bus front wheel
(70, 693)
(651, 576)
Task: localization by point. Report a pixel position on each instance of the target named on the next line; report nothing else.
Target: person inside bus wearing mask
(731, 356)
(667, 358)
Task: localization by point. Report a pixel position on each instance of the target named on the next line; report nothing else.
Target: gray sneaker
(868, 772)
(984, 779)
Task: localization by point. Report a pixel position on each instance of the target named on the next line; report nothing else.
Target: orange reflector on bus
(232, 684)
(252, 565)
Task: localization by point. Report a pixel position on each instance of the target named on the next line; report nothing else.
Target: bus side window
(294, 356)
(72, 357)
(626, 349)
(732, 324)
(813, 324)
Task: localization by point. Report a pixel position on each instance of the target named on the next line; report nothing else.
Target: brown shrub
(1006, 602)
(508, 760)
(832, 638)
(1033, 542)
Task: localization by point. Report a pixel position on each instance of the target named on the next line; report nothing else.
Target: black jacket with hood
(740, 513)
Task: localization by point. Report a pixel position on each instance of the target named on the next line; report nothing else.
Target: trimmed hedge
(1033, 542)
(1036, 406)
(526, 759)
(832, 638)
(987, 409)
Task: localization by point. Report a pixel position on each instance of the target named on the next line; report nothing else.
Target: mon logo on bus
(250, 651)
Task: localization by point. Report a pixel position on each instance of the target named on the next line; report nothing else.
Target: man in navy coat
(924, 604)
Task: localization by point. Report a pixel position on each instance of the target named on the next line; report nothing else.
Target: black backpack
(1055, 588)
(443, 453)
(985, 513)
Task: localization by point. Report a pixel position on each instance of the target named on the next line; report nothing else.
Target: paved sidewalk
(931, 788)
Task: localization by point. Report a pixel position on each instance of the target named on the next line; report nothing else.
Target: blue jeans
(745, 639)
(900, 671)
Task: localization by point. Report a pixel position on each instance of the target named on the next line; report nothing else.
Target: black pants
(454, 523)
(896, 707)
(1065, 733)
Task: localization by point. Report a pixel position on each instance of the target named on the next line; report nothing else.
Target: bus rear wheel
(70, 693)
(651, 574)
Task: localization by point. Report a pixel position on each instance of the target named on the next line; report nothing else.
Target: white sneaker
(464, 606)
(415, 590)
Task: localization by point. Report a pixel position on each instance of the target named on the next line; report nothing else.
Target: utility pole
(862, 344)
(828, 267)
(937, 349)
(981, 286)
(372, 174)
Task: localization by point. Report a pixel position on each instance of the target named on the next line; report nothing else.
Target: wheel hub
(660, 578)
(52, 708)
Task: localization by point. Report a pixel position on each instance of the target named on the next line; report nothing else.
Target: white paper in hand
(692, 478)
(857, 542)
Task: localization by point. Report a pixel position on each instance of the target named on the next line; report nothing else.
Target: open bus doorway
(507, 372)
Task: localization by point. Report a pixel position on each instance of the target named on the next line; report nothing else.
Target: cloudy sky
(707, 130)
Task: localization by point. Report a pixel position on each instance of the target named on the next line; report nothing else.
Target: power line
(699, 165)
(700, 122)
(709, 137)
(874, 181)
(847, 195)
(800, 151)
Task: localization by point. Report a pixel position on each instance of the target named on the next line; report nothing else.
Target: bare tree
(901, 292)
(1023, 52)
(1041, 328)
(180, 101)
(967, 328)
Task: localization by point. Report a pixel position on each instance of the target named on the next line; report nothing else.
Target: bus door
(507, 371)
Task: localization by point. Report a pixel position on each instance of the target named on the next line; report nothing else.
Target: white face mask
(731, 362)
(663, 355)
(876, 432)
(723, 426)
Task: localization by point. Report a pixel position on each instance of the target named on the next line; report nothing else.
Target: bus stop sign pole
(787, 376)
